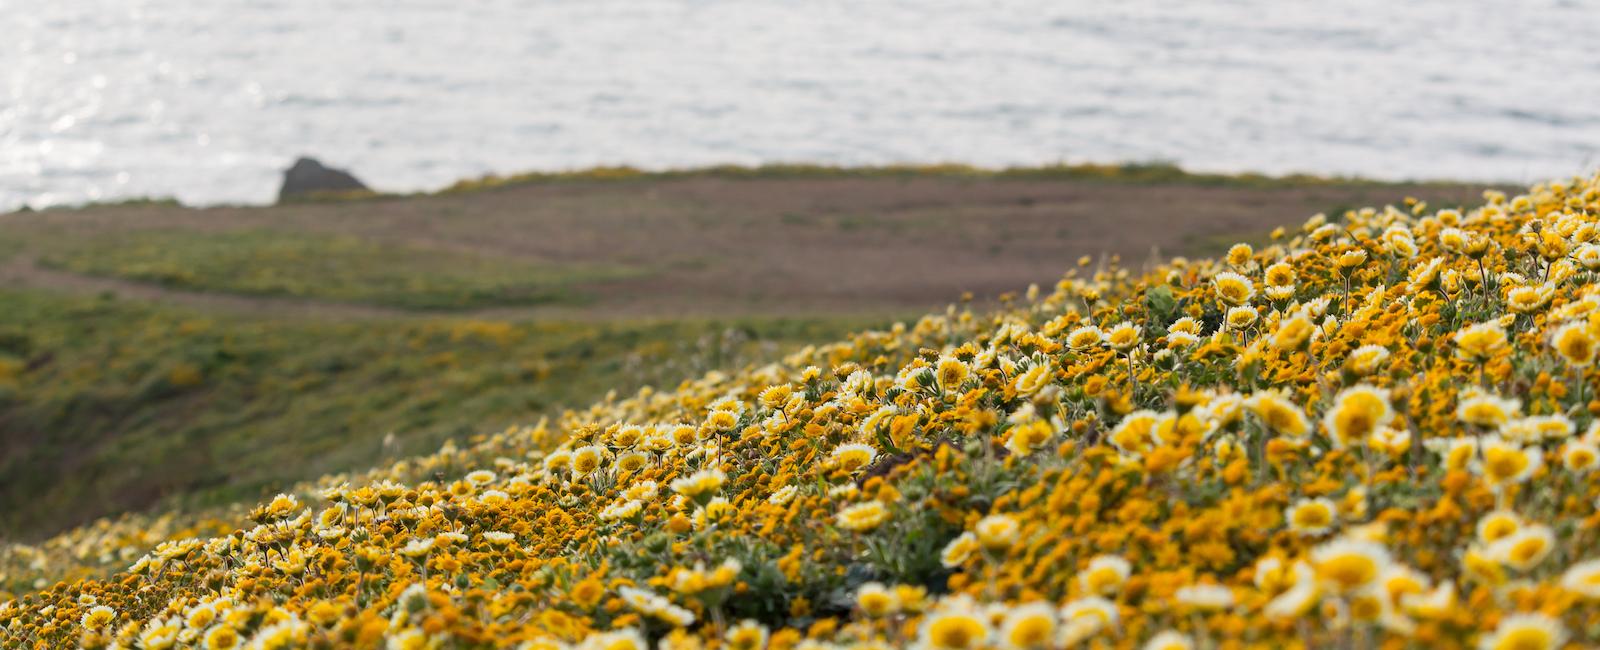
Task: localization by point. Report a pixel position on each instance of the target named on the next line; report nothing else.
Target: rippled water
(208, 100)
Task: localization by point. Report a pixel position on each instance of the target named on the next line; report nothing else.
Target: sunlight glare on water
(208, 101)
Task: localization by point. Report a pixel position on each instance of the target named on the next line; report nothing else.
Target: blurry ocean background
(207, 101)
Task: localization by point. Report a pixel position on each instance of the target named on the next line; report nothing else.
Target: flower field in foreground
(1377, 431)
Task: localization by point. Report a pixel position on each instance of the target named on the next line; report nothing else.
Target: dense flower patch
(1379, 430)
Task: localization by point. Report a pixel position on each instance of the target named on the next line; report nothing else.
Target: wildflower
(1085, 338)
(1280, 274)
(1575, 344)
(996, 532)
(958, 550)
(1498, 525)
(1233, 289)
(1123, 336)
(1205, 597)
(1029, 626)
(1350, 260)
(1528, 631)
(1311, 517)
(1101, 612)
(1366, 359)
(1356, 413)
(1526, 548)
(1505, 462)
(1034, 379)
(783, 495)
(875, 600)
(1279, 414)
(587, 459)
(1346, 566)
(1169, 640)
(700, 486)
(854, 456)
(1481, 342)
(1239, 255)
(747, 635)
(863, 517)
(1487, 411)
(1583, 579)
(1292, 333)
(1529, 299)
(1105, 575)
(951, 373)
(1580, 457)
(1240, 318)
(955, 625)
(98, 617)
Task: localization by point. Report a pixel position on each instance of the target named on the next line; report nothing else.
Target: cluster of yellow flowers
(1376, 431)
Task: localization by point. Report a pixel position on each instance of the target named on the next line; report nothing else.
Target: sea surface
(208, 100)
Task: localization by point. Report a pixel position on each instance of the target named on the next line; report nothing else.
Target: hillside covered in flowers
(1379, 429)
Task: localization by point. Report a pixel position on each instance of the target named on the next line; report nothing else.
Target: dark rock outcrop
(308, 177)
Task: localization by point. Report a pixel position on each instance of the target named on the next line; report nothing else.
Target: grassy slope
(108, 405)
(348, 269)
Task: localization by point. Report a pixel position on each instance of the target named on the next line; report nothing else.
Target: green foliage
(310, 265)
(108, 405)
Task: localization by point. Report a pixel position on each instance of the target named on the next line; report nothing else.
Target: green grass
(339, 268)
(109, 405)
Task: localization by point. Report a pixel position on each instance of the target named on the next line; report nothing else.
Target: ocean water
(208, 100)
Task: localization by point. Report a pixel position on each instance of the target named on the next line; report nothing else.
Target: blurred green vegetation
(312, 265)
(108, 405)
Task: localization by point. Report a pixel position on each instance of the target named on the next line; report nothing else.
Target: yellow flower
(1028, 627)
(1105, 575)
(1526, 548)
(1481, 342)
(98, 617)
(1311, 517)
(1279, 414)
(1123, 336)
(1575, 344)
(875, 600)
(1498, 525)
(1580, 457)
(955, 625)
(996, 532)
(854, 456)
(1366, 359)
(1487, 411)
(1583, 579)
(1239, 255)
(1346, 565)
(1034, 379)
(1527, 631)
(747, 635)
(1280, 275)
(1240, 318)
(1204, 597)
(959, 550)
(1169, 640)
(1357, 411)
(1292, 333)
(863, 517)
(700, 486)
(1505, 462)
(221, 637)
(1233, 289)
(1085, 338)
